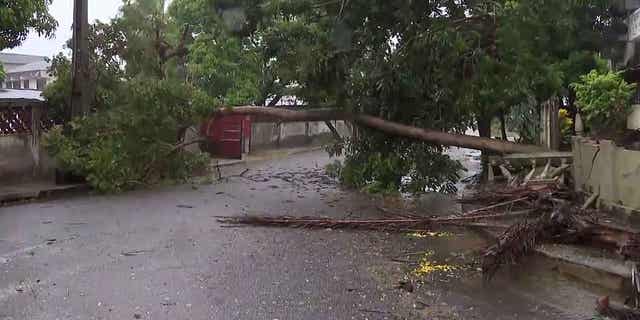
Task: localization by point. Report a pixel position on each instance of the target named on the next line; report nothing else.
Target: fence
(21, 155)
(611, 171)
(269, 135)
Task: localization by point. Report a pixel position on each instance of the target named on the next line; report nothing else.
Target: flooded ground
(551, 283)
(161, 254)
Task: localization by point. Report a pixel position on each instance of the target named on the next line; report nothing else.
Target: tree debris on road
(535, 214)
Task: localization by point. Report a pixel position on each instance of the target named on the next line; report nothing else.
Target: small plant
(334, 169)
(566, 125)
(603, 99)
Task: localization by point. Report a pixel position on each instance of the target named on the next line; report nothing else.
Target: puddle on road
(451, 265)
(451, 268)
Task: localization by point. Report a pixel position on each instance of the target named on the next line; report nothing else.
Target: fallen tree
(388, 127)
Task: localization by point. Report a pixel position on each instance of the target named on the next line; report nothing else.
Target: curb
(14, 198)
(607, 272)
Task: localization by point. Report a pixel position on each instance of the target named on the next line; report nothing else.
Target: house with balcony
(631, 58)
(25, 72)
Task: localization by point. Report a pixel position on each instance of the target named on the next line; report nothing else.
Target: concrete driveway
(161, 254)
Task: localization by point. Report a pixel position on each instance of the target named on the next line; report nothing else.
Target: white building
(632, 56)
(25, 71)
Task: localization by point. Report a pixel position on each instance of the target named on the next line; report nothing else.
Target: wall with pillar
(612, 171)
(22, 157)
(272, 135)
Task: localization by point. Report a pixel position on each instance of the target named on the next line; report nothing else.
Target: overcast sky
(62, 10)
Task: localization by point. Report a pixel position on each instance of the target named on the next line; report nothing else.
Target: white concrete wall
(22, 156)
(266, 135)
(633, 122)
(609, 170)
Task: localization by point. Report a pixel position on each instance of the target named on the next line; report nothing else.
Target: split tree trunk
(484, 129)
(503, 126)
(388, 127)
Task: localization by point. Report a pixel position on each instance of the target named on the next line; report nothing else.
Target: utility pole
(80, 60)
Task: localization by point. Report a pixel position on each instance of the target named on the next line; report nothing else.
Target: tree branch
(388, 127)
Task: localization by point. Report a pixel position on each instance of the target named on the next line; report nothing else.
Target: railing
(15, 120)
(19, 120)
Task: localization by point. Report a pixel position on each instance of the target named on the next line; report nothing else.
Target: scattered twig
(605, 309)
(592, 199)
(134, 253)
(495, 206)
(374, 311)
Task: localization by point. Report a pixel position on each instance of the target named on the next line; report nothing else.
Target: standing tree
(444, 65)
(133, 135)
(19, 17)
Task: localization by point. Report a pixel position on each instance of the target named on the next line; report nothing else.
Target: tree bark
(388, 127)
(503, 126)
(484, 129)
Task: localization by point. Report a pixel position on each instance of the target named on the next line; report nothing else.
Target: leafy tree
(226, 57)
(225, 69)
(141, 104)
(604, 99)
(134, 142)
(106, 43)
(445, 65)
(437, 64)
(18, 17)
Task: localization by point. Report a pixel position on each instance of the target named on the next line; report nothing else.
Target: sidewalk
(222, 168)
(34, 190)
(25, 191)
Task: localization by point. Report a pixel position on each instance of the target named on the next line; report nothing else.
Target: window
(25, 84)
(41, 83)
(16, 84)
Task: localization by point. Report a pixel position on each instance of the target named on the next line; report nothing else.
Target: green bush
(334, 169)
(604, 99)
(386, 168)
(136, 141)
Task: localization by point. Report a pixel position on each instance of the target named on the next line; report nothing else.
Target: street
(161, 254)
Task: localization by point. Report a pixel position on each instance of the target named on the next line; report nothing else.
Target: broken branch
(389, 127)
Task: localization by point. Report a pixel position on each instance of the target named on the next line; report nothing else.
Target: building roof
(15, 58)
(20, 96)
(34, 66)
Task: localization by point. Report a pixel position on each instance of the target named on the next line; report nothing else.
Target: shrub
(566, 126)
(386, 169)
(136, 141)
(603, 99)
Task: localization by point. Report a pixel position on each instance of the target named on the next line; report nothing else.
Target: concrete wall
(22, 160)
(609, 170)
(633, 122)
(22, 157)
(269, 135)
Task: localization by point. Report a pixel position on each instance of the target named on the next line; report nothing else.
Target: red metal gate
(227, 135)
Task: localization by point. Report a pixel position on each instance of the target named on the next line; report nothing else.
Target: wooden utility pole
(80, 59)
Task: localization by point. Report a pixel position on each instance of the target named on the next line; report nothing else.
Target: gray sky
(62, 10)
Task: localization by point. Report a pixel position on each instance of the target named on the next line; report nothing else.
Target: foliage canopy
(18, 17)
(445, 65)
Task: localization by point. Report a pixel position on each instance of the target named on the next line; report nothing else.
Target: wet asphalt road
(161, 254)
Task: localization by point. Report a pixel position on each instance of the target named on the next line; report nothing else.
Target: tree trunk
(503, 126)
(484, 129)
(571, 107)
(388, 127)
